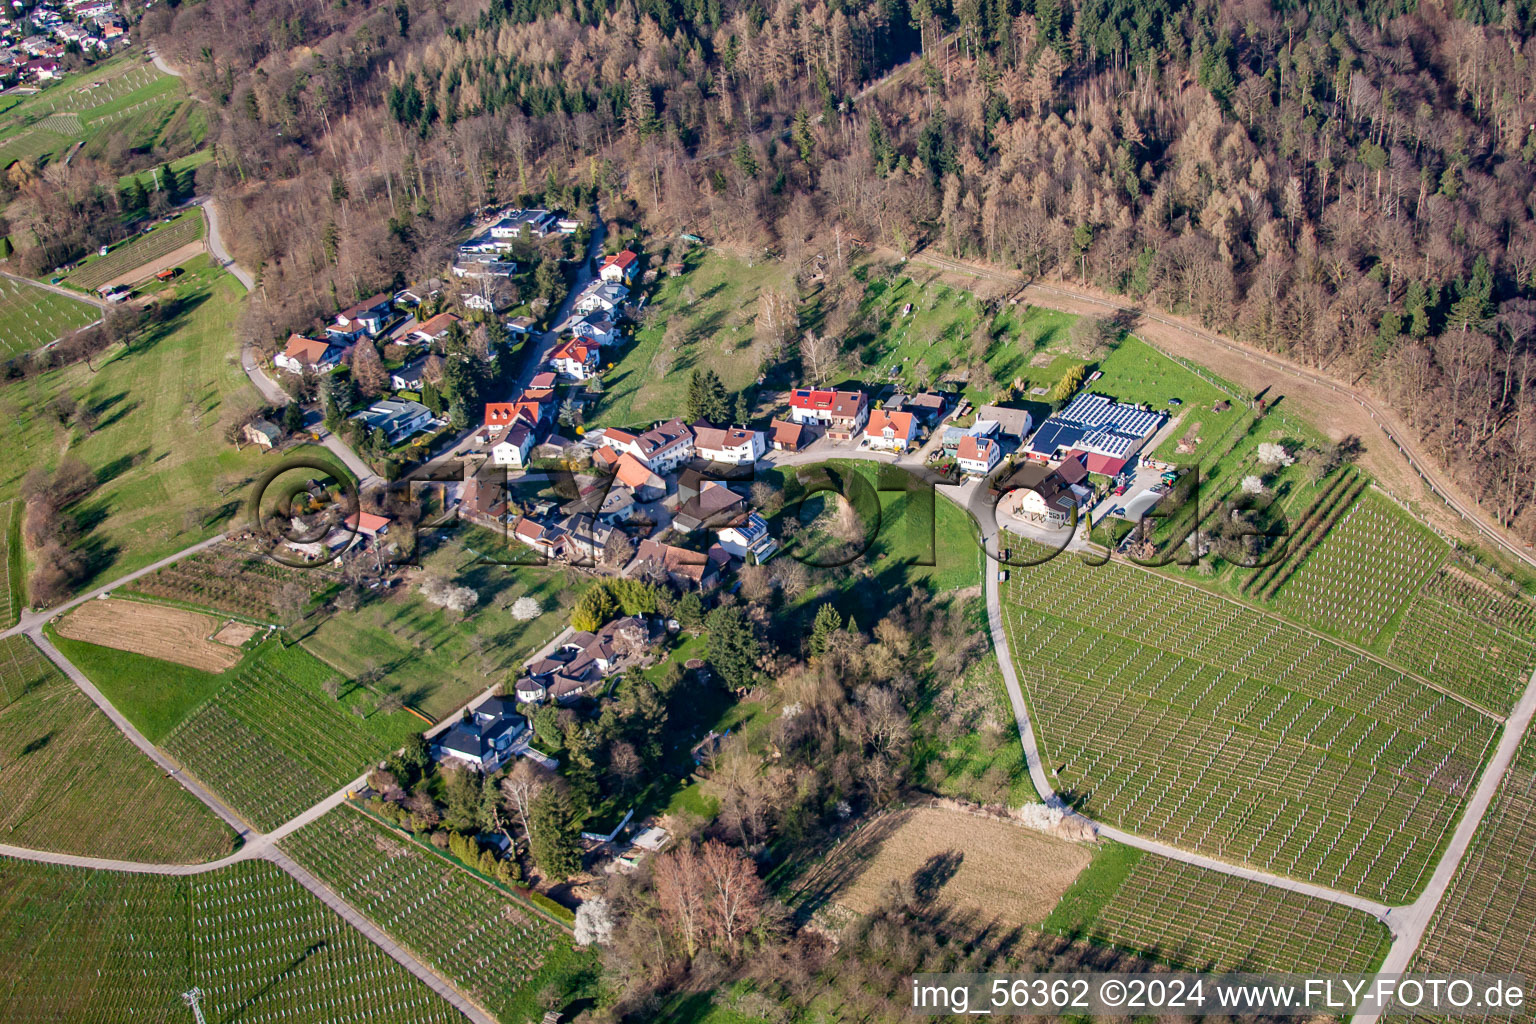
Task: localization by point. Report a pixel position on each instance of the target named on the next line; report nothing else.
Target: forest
(1348, 183)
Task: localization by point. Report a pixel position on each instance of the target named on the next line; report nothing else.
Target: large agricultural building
(1106, 433)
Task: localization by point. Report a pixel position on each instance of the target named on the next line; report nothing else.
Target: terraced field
(271, 743)
(1198, 919)
(99, 947)
(1487, 921)
(480, 939)
(11, 567)
(1181, 715)
(31, 317)
(73, 784)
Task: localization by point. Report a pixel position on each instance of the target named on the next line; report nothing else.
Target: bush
(543, 902)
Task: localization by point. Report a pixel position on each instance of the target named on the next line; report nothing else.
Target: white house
(410, 376)
(601, 296)
(513, 446)
(619, 268)
(735, 445)
(890, 431)
(484, 740)
(751, 537)
(575, 359)
(661, 449)
(977, 455)
(398, 419)
(598, 328)
(308, 354)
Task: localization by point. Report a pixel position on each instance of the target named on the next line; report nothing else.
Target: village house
(577, 360)
(1014, 423)
(661, 449)
(682, 568)
(432, 330)
(601, 296)
(929, 407)
(842, 413)
(715, 504)
(588, 537)
(750, 537)
(736, 446)
(1050, 496)
(977, 455)
(398, 419)
(597, 328)
(619, 268)
(520, 326)
(410, 377)
(303, 353)
(367, 317)
(485, 738)
(512, 445)
(787, 437)
(548, 539)
(584, 661)
(483, 499)
(890, 431)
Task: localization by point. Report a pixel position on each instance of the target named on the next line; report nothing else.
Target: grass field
(167, 478)
(96, 271)
(121, 111)
(1178, 714)
(1197, 919)
(32, 316)
(74, 784)
(433, 660)
(477, 937)
(272, 742)
(1487, 920)
(100, 947)
(1008, 874)
(154, 695)
(709, 311)
(13, 572)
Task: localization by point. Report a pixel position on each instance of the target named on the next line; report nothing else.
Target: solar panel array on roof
(1096, 423)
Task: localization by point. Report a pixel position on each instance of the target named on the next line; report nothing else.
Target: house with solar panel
(1105, 433)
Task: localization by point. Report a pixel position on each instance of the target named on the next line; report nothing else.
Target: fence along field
(1197, 919)
(1176, 713)
(32, 316)
(73, 784)
(1487, 920)
(271, 743)
(156, 630)
(101, 947)
(478, 938)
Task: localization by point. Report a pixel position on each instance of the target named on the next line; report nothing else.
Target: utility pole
(193, 999)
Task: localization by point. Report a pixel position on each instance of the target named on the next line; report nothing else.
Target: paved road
(160, 63)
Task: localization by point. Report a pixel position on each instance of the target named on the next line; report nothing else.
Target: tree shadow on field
(929, 880)
(255, 997)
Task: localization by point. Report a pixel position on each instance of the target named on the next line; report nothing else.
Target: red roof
(1096, 463)
(542, 380)
(578, 351)
(975, 449)
(841, 403)
(367, 522)
(901, 423)
(437, 325)
(623, 260)
(306, 350)
(631, 472)
(499, 414)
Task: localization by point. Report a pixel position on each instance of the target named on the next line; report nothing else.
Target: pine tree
(707, 398)
(732, 645)
(556, 829)
(431, 397)
(828, 621)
